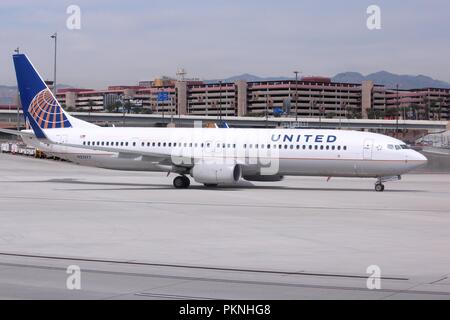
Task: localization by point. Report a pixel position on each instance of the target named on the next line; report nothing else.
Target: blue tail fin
(40, 107)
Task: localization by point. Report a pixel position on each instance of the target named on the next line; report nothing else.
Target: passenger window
(345, 148)
(292, 146)
(333, 147)
(134, 144)
(84, 143)
(164, 144)
(321, 147)
(170, 144)
(339, 147)
(316, 147)
(327, 147)
(268, 146)
(304, 147)
(310, 147)
(298, 147)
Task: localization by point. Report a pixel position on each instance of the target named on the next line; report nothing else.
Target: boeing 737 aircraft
(211, 156)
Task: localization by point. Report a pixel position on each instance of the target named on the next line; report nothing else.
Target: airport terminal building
(308, 97)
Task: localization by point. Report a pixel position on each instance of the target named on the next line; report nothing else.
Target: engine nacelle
(210, 173)
(262, 178)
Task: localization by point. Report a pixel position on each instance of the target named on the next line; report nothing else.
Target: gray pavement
(134, 236)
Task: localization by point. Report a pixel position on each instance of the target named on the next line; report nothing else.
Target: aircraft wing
(176, 159)
(18, 133)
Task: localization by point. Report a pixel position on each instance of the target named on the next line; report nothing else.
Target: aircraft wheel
(181, 182)
(379, 187)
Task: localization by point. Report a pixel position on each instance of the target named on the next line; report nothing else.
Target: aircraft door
(367, 149)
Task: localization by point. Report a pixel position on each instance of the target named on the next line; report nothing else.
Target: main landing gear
(181, 182)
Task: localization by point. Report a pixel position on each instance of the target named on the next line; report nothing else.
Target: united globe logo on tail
(47, 112)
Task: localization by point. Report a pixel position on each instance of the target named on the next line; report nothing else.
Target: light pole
(17, 51)
(397, 113)
(296, 95)
(220, 100)
(54, 36)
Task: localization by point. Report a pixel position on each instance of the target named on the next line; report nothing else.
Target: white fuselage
(311, 152)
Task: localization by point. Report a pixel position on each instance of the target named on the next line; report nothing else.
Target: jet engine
(213, 174)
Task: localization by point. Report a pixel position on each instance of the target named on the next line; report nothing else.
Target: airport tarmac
(135, 237)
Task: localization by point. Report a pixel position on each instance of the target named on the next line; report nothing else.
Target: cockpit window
(390, 146)
(397, 147)
(404, 146)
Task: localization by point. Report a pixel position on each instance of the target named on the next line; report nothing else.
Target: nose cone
(420, 159)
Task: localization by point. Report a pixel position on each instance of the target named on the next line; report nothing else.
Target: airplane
(211, 156)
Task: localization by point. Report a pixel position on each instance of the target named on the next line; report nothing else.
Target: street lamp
(296, 95)
(220, 100)
(54, 36)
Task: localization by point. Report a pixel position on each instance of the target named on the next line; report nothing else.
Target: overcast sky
(122, 42)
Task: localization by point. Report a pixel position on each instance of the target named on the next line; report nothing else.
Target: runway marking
(137, 263)
(172, 296)
(391, 292)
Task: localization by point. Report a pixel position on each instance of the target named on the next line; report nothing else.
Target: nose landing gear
(379, 186)
(181, 182)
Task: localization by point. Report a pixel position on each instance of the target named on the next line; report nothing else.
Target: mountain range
(390, 80)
